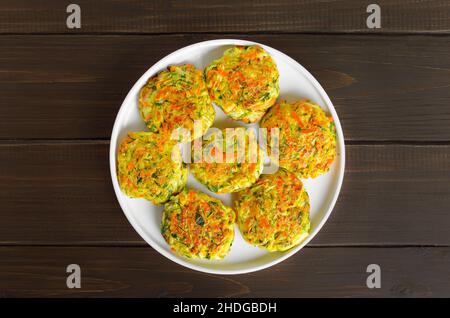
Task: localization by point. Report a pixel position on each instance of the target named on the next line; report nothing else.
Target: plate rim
(286, 255)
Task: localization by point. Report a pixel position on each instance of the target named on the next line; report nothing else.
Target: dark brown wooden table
(61, 88)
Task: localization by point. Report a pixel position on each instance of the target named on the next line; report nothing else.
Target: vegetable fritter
(176, 98)
(242, 167)
(274, 212)
(243, 82)
(196, 225)
(307, 140)
(146, 169)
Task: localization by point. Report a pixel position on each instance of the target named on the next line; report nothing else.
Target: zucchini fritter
(240, 171)
(243, 82)
(145, 168)
(274, 212)
(176, 98)
(307, 141)
(196, 225)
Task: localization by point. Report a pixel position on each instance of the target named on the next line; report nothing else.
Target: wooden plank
(383, 87)
(62, 194)
(392, 194)
(160, 16)
(142, 272)
(59, 194)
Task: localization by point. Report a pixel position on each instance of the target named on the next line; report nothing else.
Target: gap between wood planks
(250, 33)
(105, 141)
(145, 245)
(337, 33)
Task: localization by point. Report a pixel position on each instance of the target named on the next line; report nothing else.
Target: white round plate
(295, 83)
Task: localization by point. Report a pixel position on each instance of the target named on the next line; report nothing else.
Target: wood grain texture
(61, 194)
(390, 89)
(160, 16)
(383, 87)
(142, 272)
